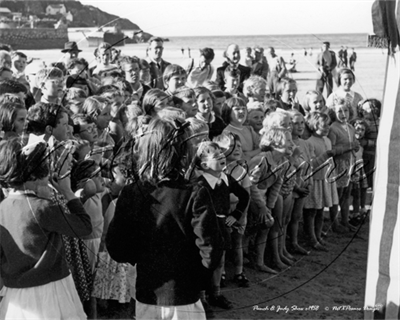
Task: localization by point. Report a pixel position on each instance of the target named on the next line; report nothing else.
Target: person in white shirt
(277, 69)
(199, 70)
(346, 79)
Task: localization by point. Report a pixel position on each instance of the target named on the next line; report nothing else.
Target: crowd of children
(119, 187)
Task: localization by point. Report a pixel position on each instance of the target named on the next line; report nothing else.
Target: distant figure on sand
(248, 60)
(277, 70)
(352, 59)
(183, 51)
(260, 65)
(342, 54)
(291, 66)
(326, 63)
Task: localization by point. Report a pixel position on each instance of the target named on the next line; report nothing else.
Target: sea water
(295, 42)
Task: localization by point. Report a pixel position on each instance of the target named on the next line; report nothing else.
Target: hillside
(84, 16)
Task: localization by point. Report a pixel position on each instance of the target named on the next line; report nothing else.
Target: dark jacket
(156, 73)
(171, 233)
(244, 74)
(321, 62)
(220, 196)
(31, 247)
(216, 127)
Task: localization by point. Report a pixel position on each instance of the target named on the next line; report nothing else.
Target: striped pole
(382, 293)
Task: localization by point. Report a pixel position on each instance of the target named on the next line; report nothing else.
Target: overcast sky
(239, 17)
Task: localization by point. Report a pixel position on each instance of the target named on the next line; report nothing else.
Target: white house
(53, 9)
(69, 16)
(17, 16)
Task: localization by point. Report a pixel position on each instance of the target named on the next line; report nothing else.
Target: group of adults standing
(327, 63)
(270, 66)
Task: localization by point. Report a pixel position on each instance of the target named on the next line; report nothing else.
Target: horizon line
(276, 34)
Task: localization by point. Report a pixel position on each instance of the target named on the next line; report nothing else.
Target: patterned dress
(111, 281)
(323, 193)
(76, 256)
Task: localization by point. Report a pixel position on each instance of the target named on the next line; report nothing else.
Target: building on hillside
(17, 16)
(53, 9)
(5, 13)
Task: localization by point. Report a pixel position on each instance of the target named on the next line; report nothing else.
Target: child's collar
(213, 180)
(21, 192)
(202, 118)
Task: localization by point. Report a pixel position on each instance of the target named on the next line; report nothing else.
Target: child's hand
(62, 185)
(230, 221)
(61, 179)
(331, 153)
(296, 152)
(86, 191)
(303, 192)
(356, 145)
(266, 218)
(89, 189)
(363, 142)
(64, 161)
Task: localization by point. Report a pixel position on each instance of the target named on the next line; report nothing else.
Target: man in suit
(156, 63)
(232, 55)
(326, 64)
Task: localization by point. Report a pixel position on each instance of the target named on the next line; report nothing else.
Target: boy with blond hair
(255, 90)
(211, 161)
(185, 99)
(174, 77)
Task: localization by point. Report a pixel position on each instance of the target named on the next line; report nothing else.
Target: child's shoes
(241, 280)
(220, 301)
(223, 281)
(207, 309)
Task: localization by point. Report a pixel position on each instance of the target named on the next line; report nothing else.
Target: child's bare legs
(363, 199)
(294, 225)
(216, 277)
(286, 216)
(356, 193)
(275, 234)
(319, 222)
(333, 213)
(309, 226)
(344, 202)
(215, 297)
(261, 242)
(237, 242)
